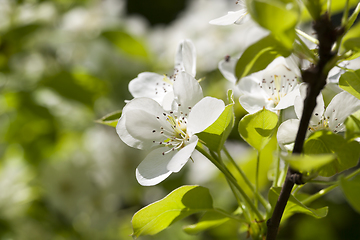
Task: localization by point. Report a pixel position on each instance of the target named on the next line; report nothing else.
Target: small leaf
(278, 16)
(180, 203)
(350, 82)
(259, 55)
(347, 151)
(216, 134)
(352, 124)
(315, 7)
(110, 119)
(295, 206)
(308, 163)
(351, 190)
(210, 219)
(351, 39)
(256, 129)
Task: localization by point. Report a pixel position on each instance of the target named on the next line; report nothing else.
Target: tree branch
(315, 77)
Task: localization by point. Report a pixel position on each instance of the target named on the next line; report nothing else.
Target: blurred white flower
(238, 17)
(145, 124)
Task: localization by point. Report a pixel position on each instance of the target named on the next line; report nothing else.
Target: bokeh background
(65, 64)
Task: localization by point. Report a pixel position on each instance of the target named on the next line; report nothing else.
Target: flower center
(174, 132)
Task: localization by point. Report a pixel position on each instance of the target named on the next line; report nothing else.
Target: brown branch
(315, 77)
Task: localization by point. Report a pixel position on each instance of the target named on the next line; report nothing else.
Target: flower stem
(306, 36)
(262, 200)
(232, 179)
(257, 179)
(328, 189)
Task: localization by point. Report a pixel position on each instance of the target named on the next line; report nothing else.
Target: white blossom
(238, 17)
(171, 134)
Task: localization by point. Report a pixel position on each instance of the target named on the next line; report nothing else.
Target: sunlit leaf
(256, 129)
(209, 220)
(308, 163)
(110, 119)
(259, 55)
(295, 206)
(179, 204)
(216, 134)
(347, 151)
(352, 124)
(278, 16)
(350, 82)
(351, 190)
(351, 39)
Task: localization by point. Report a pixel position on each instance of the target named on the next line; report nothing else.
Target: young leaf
(315, 7)
(216, 134)
(180, 203)
(308, 163)
(352, 124)
(110, 119)
(278, 16)
(256, 129)
(347, 151)
(350, 82)
(210, 219)
(295, 206)
(259, 55)
(351, 39)
(351, 190)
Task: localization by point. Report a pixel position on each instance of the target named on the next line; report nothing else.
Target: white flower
(332, 118)
(171, 133)
(274, 88)
(159, 87)
(238, 17)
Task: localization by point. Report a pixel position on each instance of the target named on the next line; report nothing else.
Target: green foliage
(256, 129)
(278, 16)
(209, 220)
(259, 55)
(350, 82)
(216, 134)
(351, 190)
(110, 119)
(295, 206)
(351, 39)
(308, 163)
(179, 204)
(315, 7)
(352, 124)
(347, 151)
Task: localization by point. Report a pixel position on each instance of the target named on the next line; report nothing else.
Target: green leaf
(350, 82)
(259, 55)
(351, 40)
(278, 16)
(210, 219)
(308, 163)
(180, 203)
(315, 7)
(110, 119)
(351, 190)
(216, 134)
(352, 124)
(295, 206)
(347, 151)
(256, 129)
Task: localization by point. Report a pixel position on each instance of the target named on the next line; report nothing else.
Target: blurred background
(65, 64)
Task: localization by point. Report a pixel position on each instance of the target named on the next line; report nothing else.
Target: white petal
(182, 156)
(288, 100)
(153, 169)
(151, 85)
(204, 113)
(145, 126)
(287, 131)
(227, 68)
(254, 103)
(251, 85)
(187, 91)
(340, 107)
(146, 104)
(185, 58)
(230, 18)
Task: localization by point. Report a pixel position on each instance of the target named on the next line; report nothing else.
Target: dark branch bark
(315, 77)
